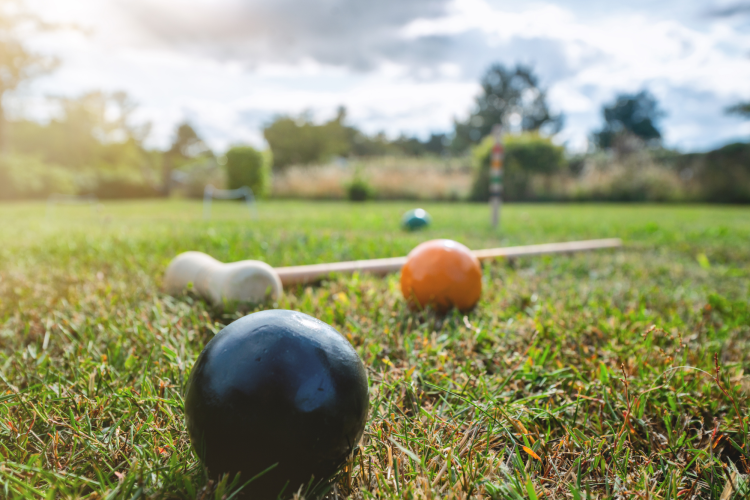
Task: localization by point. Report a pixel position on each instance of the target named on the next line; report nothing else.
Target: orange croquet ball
(441, 274)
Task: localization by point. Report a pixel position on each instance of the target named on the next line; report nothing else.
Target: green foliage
(526, 155)
(186, 145)
(633, 183)
(197, 174)
(96, 144)
(123, 183)
(18, 63)
(741, 109)
(376, 145)
(27, 177)
(629, 115)
(246, 166)
(722, 175)
(359, 189)
(300, 141)
(93, 131)
(600, 364)
(506, 93)
(187, 148)
(647, 175)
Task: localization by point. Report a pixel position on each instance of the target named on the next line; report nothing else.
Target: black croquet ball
(281, 390)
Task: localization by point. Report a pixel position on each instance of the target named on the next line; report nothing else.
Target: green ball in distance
(415, 219)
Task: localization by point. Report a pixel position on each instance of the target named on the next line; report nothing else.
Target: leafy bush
(526, 155)
(247, 166)
(25, 177)
(123, 183)
(359, 189)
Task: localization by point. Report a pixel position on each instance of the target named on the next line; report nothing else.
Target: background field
(569, 380)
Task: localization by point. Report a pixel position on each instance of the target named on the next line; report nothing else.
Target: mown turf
(617, 374)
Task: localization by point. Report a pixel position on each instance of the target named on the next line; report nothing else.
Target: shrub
(359, 189)
(123, 183)
(247, 166)
(526, 155)
(25, 177)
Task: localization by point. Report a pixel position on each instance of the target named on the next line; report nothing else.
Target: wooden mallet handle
(306, 274)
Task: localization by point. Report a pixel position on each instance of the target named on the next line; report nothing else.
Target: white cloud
(396, 67)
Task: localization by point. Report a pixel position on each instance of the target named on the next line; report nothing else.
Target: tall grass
(639, 177)
(391, 178)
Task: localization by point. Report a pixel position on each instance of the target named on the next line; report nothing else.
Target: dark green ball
(415, 219)
(276, 389)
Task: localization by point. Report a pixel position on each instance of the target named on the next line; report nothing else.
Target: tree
(298, 141)
(91, 131)
(106, 116)
(186, 146)
(409, 146)
(629, 116)
(18, 64)
(508, 97)
(436, 144)
(94, 140)
(742, 109)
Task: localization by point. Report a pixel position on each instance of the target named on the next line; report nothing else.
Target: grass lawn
(617, 374)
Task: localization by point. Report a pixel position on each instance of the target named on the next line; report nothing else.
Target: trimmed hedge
(247, 166)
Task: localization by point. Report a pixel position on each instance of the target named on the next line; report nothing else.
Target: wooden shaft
(305, 274)
(567, 247)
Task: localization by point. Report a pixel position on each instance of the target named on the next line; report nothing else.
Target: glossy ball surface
(442, 274)
(415, 219)
(276, 387)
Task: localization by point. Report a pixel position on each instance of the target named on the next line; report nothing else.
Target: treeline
(625, 161)
(537, 170)
(91, 147)
(299, 141)
(94, 147)
(511, 96)
(719, 176)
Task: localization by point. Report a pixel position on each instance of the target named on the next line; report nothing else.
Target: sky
(399, 66)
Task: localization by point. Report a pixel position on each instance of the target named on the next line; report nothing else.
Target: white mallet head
(248, 281)
(185, 269)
